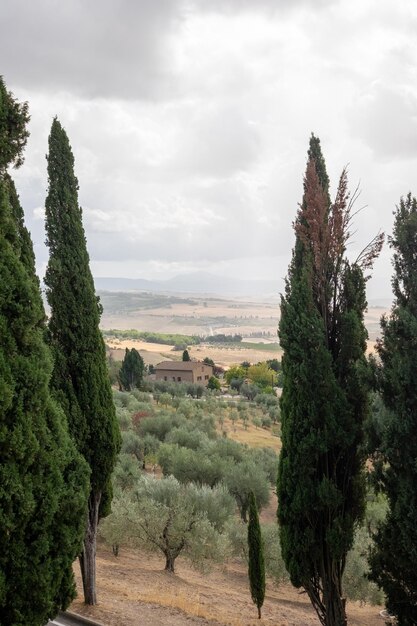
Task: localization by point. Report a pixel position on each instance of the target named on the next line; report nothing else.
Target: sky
(190, 120)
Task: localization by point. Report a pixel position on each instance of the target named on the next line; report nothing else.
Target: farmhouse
(184, 371)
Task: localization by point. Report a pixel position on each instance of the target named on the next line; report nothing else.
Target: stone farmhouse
(184, 372)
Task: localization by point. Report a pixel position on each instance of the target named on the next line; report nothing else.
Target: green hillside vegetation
(182, 444)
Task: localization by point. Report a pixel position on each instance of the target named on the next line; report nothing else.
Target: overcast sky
(190, 119)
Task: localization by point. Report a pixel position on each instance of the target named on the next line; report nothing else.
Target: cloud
(189, 120)
(109, 49)
(217, 142)
(385, 118)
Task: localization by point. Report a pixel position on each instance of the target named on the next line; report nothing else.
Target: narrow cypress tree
(393, 560)
(324, 399)
(186, 356)
(80, 376)
(256, 556)
(43, 479)
(131, 371)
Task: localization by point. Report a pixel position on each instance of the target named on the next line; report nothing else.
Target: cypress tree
(394, 557)
(186, 355)
(324, 400)
(43, 479)
(256, 556)
(80, 377)
(131, 371)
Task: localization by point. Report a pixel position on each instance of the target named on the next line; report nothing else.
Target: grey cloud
(234, 6)
(218, 142)
(111, 48)
(385, 119)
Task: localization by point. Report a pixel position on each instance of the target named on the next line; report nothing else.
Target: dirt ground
(134, 590)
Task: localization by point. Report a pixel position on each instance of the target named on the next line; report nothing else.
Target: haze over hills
(198, 282)
(209, 284)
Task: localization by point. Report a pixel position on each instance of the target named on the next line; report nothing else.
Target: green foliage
(173, 518)
(133, 445)
(189, 465)
(80, 379)
(164, 338)
(186, 356)
(127, 472)
(256, 556)
(43, 480)
(14, 117)
(237, 532)
(214, 384)
(245, 478)
(394, 556)
(131, 371)
(262, 375)
(234, 372)
(113, 367)
(249, 391)
(274, 563)
(325, 395)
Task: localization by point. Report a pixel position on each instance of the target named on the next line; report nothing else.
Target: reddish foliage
(139, 416)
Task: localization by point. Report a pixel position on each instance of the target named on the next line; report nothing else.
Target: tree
(214, 383)
(234, 371)
(325, 393)
(262, 375)
(43, 480)
(131, 371)
(165, 516)
(80, 377)
(243, 478)
(256, 556)
(394, 557)
(186, 356)
(14, 117)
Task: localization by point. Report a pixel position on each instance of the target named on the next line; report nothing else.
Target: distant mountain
(199, 282)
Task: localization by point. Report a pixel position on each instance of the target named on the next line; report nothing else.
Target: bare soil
(134, 590)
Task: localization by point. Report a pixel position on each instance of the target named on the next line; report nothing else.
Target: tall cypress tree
(43, 479)
(131, 370)
(393, 560)
(324, 398)
(256, 556)
(80, 376)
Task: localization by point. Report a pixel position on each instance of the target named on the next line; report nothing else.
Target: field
(255, 320)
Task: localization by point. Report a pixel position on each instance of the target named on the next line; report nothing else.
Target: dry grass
(252, 436)
(134, 590)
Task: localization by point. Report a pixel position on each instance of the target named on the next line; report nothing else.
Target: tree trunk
(88, 555)
(335, 613)
(259, 612)
(335, 606)
(169, 563)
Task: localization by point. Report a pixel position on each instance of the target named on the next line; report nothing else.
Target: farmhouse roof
(180, 365)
